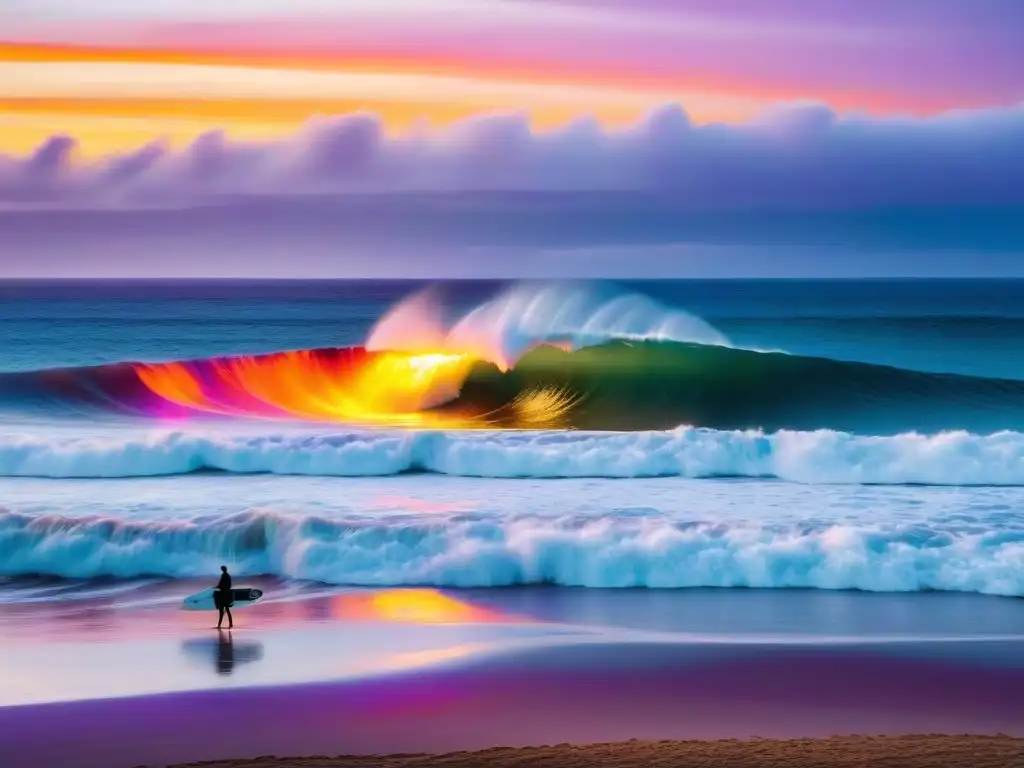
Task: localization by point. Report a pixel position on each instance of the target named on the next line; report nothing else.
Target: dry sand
(836, 752)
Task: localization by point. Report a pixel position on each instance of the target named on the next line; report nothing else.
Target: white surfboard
(203, 601)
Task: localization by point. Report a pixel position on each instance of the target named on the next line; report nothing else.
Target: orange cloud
(287, 86)
(139, 103)
(281, 116)
(489, 68)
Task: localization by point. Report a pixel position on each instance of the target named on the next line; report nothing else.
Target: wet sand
(929, 751)
(573, 694)
(388, 672)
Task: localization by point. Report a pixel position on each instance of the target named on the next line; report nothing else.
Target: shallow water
(133, 640)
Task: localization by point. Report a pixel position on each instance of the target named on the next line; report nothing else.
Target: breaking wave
(469, 551)
(824, 456)
(534, 357)
(617, 385)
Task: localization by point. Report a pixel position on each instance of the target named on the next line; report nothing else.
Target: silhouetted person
(222, 597)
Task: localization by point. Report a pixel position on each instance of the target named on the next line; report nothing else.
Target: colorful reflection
(415, 606)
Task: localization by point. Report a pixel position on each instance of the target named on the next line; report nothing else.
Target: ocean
(775, 434)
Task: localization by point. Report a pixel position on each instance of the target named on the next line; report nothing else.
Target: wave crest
(467, 551)
(573, 317)
(823, 456)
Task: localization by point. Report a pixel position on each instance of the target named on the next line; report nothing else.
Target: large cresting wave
(616, 385)
(475, 551)
(535, 358)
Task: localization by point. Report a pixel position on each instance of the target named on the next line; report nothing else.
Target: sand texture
(836, 752)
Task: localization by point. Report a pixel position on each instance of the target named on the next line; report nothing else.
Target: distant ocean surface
(781, 434)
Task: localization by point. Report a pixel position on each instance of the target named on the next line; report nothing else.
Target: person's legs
(231, 621)
(219, 602)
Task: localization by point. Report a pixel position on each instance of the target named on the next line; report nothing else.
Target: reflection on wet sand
(540, 695)
(417, 606)
(91, 647)
(151, 611)
(224, 651)
(420, 659)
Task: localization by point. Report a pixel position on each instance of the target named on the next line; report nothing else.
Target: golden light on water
(415, 606)
(546, 407)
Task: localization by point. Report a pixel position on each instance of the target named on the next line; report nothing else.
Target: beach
(835, 752)
(375, 672)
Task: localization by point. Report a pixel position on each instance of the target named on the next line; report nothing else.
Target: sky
(458, 136)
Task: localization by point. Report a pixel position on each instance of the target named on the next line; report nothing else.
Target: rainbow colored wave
(350, 385)
(617, 385)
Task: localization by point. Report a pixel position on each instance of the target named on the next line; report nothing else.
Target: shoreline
(854, 751)
(573, 694)
(433, 672)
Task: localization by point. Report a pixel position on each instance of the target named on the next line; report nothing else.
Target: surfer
(222, 597)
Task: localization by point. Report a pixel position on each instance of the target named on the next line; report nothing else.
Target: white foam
(952, 458)
(477, 551)
(523, 316)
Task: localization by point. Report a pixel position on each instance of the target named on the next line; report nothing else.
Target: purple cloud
(924, 52)
(794, 157)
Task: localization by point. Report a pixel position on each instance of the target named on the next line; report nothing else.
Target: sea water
(912, 480)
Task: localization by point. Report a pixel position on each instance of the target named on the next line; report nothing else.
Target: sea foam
(952, 458)
(468, 550)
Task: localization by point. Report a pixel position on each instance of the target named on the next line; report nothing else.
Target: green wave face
(659, 385)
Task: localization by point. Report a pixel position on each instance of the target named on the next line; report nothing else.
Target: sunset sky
(116, 73)
(788, 102)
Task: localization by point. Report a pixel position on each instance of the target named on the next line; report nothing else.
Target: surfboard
(203, 601)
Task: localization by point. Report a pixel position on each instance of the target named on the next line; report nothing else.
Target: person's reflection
(226, 653)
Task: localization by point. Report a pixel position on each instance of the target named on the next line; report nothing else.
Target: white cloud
(789, 157)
